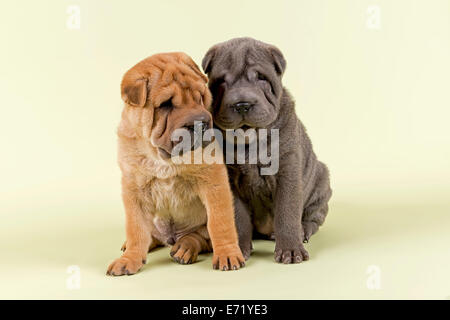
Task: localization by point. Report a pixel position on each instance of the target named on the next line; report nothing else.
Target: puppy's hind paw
(309, 228)
(187, 248)
(184, 254)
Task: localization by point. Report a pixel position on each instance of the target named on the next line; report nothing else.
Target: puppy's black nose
(242, 107)
(198, 126)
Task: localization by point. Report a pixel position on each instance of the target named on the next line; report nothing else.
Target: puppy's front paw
(291, 255)
(228, 259)
(126, 264)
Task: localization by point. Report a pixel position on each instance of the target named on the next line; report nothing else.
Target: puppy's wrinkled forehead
(172, 77)
(232, 58)
(235, 62)
(176, 78)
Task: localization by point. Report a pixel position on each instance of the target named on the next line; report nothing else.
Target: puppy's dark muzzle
(201, 121)
(197, 127)
(194, 130)
(242, 107)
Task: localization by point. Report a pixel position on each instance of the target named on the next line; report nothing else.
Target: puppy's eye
(218, 81)
(262, 77)
(265, 82)
(166, 104)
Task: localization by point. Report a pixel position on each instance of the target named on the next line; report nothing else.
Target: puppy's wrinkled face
(170, 93)
(245, 80)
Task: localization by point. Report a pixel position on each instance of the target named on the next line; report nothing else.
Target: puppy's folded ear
(279, 61)
(134, 91)
(207, 60)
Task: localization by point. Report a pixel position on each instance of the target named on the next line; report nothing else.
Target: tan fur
(164, 202)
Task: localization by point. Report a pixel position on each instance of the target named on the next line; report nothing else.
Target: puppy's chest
(257, 192)
(173, 198)
(254, 188)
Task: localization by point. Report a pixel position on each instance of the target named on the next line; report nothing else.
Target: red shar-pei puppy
(188, 206)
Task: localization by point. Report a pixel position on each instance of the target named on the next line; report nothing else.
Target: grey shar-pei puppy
(289, 206)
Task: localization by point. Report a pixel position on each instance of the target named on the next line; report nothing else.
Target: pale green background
(375, 102)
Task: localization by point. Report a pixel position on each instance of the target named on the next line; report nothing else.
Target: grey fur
(291, 205)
